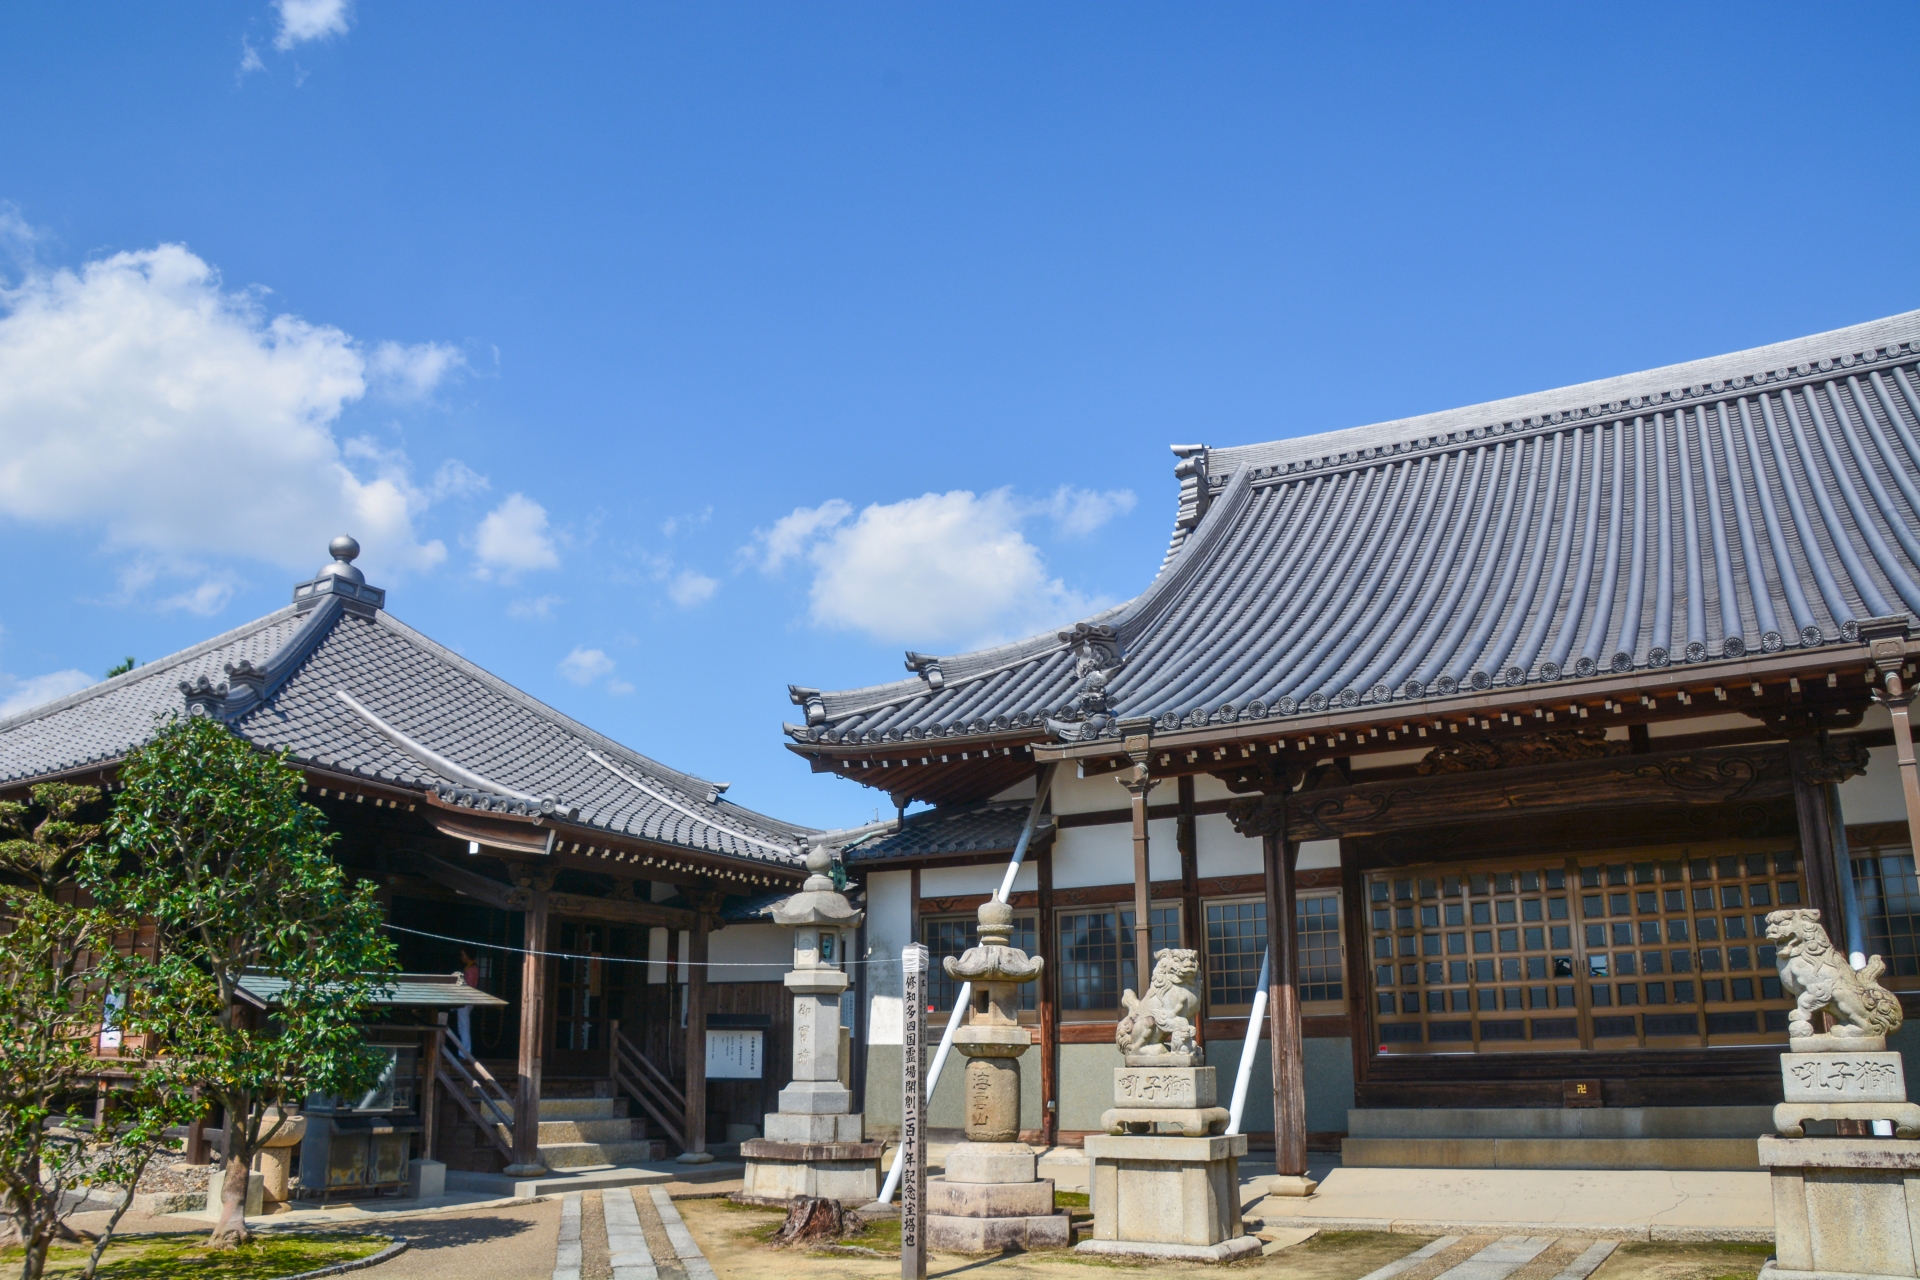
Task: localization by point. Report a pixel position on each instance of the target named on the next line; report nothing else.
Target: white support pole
(1245, 1073)
(964, 996)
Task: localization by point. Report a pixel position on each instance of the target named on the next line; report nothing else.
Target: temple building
(1504, 727)
(612, 902)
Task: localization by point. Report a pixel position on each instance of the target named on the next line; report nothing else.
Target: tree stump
(811, 1220)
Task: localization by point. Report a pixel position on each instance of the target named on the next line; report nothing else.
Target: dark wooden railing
(635, 1075)
(475, 1089)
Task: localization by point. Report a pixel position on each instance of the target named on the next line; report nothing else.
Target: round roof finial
(343, 549)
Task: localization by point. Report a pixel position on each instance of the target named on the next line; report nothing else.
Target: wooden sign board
(1580, 1093)
(733, 1054)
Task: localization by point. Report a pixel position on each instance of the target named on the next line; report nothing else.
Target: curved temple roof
(1751, 502)
(348, 687)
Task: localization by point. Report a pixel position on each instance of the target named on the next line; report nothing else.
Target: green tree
(121, 667)
(52, 1004)
(211, 842)
(46, 851)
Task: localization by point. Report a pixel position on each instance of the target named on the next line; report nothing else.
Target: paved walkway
(1502, 1258)
(628, 1217)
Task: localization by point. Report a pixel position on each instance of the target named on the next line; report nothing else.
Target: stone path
(628, 1252)
(1498, 1260)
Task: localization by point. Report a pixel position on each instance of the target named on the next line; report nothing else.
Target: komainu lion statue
(1819, 977)
(1161, 1021)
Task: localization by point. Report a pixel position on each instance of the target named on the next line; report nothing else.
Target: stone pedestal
(1165, 1197)
(991, 1198)
(1839, 1085)
(1844, 1207)
(815, 1144)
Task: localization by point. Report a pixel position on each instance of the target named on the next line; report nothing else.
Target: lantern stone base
(787, 1126)
(990, 1200)
(778, 1171)
(1167, 1197)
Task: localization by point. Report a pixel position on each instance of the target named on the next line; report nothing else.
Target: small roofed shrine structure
(599, 893)
(1501, 729)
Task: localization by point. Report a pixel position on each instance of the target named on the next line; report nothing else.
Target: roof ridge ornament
(1096, 657)
(246, 685)
(340, 579)
(927, 667)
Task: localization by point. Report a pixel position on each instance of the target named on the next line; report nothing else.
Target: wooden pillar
(1049, 1006)
(862, 995)
(696, 1122)
(1281, 856)
(197, 1141)
(1815, 822)
(533, 1007)
(1187, 839)
(1887, 641)
(1138, 784)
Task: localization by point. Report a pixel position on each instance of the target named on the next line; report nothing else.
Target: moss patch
(155, 1257)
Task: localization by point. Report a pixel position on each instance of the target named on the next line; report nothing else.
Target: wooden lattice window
(1237, 939)
(1889, 895)
(1096, 953)
(952, 936)
(1661, 948)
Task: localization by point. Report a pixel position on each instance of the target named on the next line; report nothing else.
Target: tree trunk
(231, 1228)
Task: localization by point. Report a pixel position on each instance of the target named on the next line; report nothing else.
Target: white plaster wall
(767, 948)
(1705, 724)
(1074, 794)
(942, 882)
(1388, 759)
(1222, 850)
(1316, 855)
(1021, 790)
(1085, 856)
(889, 928)
(1875, 796)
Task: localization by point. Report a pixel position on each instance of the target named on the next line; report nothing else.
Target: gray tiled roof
(1696, 513)
(361, 693)
(981, 828)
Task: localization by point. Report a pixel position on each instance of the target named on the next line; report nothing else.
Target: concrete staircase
(581, 1133)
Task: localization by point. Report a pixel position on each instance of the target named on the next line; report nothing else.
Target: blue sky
(663, 355)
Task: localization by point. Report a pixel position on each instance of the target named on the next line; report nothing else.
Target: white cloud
(513, 539)
(140, 397)
(689, 588)
(207, 598)
(303, 20)
(619, 687)
(534, 608)
(24, 695)
(584, 666)
(410, 373)
(676, 524)
(943, 566)
(772, 548)
(455, 479)
(1078, 512)
(249, 60)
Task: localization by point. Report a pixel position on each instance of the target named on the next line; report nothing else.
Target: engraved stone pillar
(990, 1199)
(814, 1145)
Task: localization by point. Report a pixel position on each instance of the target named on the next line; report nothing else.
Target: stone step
(575, 1155)
(1550, 1153)
(1559, 1122)
(578, 1108)
(617, 1129)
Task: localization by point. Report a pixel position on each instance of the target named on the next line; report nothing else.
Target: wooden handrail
(495, 1099)
(473, 1112)
(655, 1093)
(478, 1068)
(660, 1079)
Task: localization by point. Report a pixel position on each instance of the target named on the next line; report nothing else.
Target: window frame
(1123, 962)
(937, 974)
(1334, 1007)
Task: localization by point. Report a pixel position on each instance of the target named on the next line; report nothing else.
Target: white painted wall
(1316, 855)
(1222, 850)
(1086, 856)
(943, 882)
(766, 948)
(1875, 796)
(889, 927)
(1074, 794)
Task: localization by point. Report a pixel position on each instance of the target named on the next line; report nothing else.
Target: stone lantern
(990, 1198)
(814, 1145)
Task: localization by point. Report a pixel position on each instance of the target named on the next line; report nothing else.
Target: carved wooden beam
(1711, 777)
(620, 911)
(470, 883)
